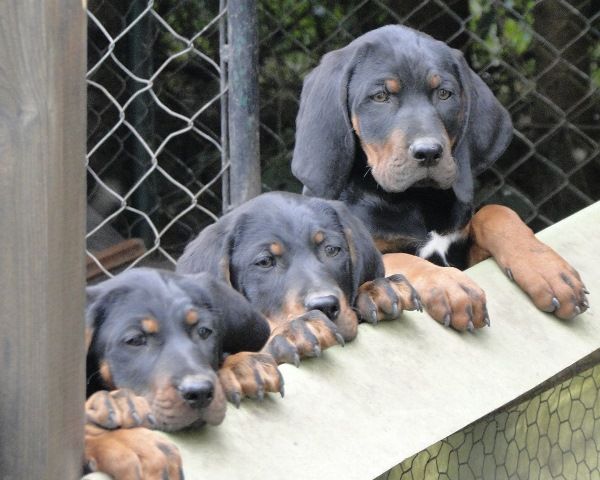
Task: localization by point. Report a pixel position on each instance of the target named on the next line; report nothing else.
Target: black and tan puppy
(156, 344)
(307, 264)
(396, 125)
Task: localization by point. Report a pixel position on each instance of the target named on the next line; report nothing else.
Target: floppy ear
(367, 263)
(244, 327)
(211, 250)
(487, 130)
(99, 299)
(325, 145)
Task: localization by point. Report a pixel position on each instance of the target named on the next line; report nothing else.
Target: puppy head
(288, 254)
(402, 106)
(162, 336)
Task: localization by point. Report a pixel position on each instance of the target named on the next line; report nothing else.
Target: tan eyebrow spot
(150, 325)
(392, 85)
(318, 238)
(434, 81)
(276, 249)
(191, 317)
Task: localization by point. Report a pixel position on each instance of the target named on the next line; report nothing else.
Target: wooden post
(244, 149)
(42, 228)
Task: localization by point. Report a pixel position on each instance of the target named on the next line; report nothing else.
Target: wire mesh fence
(157, 128)
(155, 151)
(553, 434)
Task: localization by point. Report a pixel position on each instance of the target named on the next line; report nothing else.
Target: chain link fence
(158, 157)
(157, 106)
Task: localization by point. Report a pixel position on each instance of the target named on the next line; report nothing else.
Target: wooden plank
(401, 386)
(42, 231)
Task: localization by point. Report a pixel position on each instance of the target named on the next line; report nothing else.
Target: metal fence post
(42, 229)
(243, 101)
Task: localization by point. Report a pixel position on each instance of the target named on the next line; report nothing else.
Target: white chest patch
(438, 244)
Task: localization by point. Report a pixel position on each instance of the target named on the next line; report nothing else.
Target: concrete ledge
(402, 386)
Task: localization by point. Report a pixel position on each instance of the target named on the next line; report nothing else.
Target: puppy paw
(304, 336)
(118, 409)
(249, 374)
(450, 297)
(553, 285)
(386, 298)
(128, 454)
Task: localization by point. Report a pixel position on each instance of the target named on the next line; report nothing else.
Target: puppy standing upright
(396, 125)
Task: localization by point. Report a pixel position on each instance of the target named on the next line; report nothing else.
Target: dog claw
(470, 326)
(374, 317)
(260, 394)
(555, 303)
(281, 384)
(395, 309)
(577, 310)
(586, 291)
(509, 274)
(296, 359)
(486, 319)
(151, 419)
(585, 303)
(136, 418)
(317, 351)
(340, 339)
(418, 304)
(236, 398)
(447, 319)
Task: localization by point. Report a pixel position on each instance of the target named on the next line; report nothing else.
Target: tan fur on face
(395, 171)
(356, 124)
(191, 317)
(393, 85)
(276, 249)
(434, 81)
(318, 238)
(105, 374)
(150, 325)
(174, 413)
(292, 307)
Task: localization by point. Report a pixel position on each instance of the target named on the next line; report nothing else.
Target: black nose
(197, 393)
(427, 153)
(328, 304)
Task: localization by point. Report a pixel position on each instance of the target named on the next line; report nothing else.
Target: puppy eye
(444, 94)
(381, 97)
(265, 262)
(135, 340)
(204, 332)
(332, 251)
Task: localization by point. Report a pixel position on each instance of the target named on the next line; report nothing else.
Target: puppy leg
(447, 294)
(131, 454)
(250, 374)
(308, 335)
(118, 409)
(553, 285)
(386, 298)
